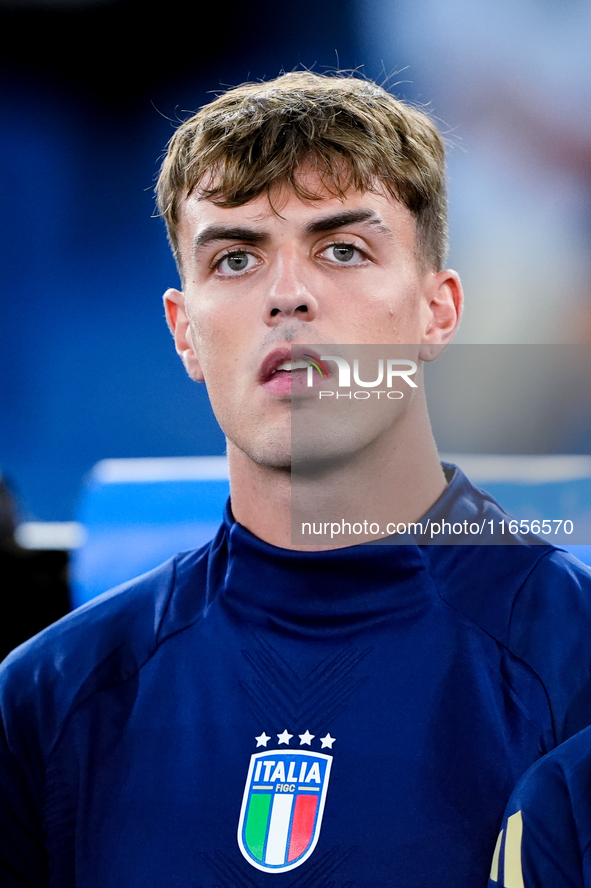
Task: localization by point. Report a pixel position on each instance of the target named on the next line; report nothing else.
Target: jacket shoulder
(101, 643)
(550, 629)
(535, 600)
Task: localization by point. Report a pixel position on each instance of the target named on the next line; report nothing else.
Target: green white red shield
(282, 808)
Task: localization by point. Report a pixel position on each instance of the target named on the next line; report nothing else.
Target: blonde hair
(352, 132)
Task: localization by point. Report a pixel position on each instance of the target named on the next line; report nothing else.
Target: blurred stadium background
(90, 91)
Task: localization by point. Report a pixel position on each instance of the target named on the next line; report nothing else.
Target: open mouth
(283, 372)
(290, 366)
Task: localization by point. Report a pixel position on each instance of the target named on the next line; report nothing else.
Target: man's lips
(285, 370)
(271, 363)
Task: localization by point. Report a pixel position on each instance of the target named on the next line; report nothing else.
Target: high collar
(336, 589)
(320, 594)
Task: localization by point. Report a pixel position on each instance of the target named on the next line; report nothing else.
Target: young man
(257, 711)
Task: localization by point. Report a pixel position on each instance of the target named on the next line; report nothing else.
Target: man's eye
(236, 262)
(346, 254)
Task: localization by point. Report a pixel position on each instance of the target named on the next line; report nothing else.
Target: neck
(394, 480)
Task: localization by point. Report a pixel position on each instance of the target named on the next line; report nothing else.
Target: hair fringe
(355, 135)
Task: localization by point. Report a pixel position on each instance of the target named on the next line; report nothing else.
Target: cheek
(207, 331)
(395, 315)
(218, 345)
(408, 307)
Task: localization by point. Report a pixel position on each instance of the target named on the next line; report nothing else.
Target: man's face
(259, 282)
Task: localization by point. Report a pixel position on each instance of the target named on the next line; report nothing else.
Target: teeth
(293, 365)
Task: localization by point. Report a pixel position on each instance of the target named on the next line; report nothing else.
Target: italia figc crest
(283, 803)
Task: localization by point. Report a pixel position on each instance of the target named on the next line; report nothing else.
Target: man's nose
(290, 294)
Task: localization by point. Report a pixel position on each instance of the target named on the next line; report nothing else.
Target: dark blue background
(88, 100)
(90, 92)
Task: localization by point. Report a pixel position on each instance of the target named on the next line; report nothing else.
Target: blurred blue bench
(139, 512)
(538, 488)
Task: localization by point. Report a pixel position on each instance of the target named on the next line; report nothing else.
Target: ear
(444, 304)
(178, 324)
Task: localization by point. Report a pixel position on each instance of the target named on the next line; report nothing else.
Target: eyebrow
(225, 232)
(213, 233)
(347, 217)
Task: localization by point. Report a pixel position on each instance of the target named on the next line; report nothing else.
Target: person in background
(545, 838)
(33, 582)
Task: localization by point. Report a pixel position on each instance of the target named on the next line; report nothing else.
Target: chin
(272, 457)
(272, 454)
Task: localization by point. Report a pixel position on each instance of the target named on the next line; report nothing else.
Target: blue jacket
(247, 716)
